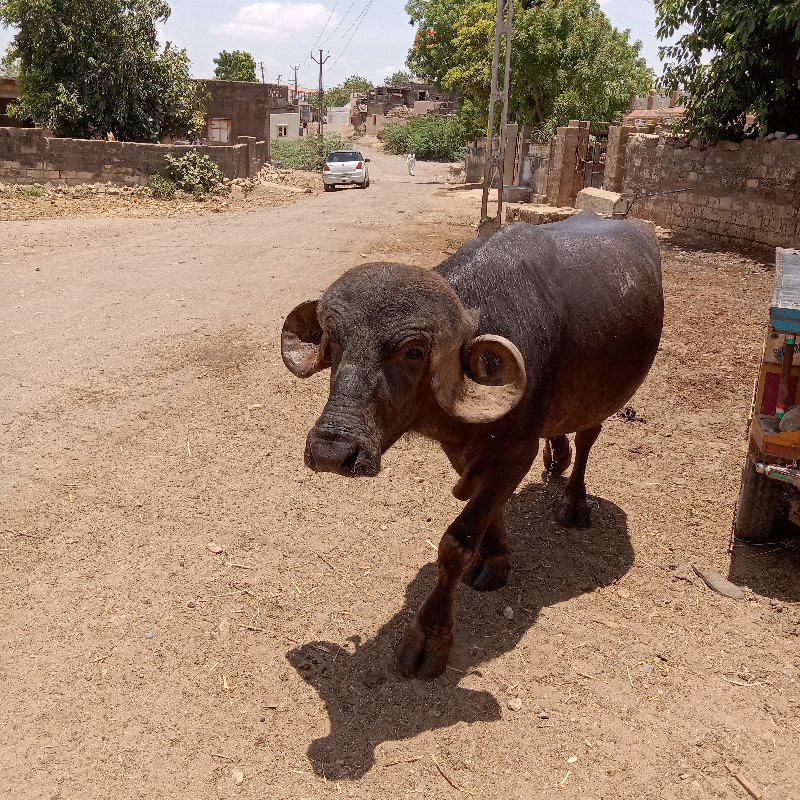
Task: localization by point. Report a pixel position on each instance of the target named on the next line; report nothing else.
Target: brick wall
(27, 155)
(748, 192)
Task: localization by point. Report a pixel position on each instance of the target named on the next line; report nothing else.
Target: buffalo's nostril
(349, 464)
(332, 455)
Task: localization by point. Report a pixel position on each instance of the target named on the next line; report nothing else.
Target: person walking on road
(411, 161)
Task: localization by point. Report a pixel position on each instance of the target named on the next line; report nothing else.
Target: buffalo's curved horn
(304, 347)
(486, 385)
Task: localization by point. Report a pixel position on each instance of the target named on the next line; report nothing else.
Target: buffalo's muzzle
(342, 456)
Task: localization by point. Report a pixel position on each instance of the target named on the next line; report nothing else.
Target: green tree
(432, 52)
(340, 95)
(399, 78)
(9, 65)
(754, 64)
(237, 65)
(567, 61)
(88, 69)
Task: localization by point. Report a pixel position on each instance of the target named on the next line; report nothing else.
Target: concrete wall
(748, 192)
(291, 119)
(339, 115)
(376, 122)
(27, 155)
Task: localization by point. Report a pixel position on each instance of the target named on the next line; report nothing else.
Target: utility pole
(295, 81)
(261, 64)
(279, 78)
(319, 97)
(495, 157)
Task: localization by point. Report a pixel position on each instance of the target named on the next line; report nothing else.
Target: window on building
(283, 130)
(219, 130)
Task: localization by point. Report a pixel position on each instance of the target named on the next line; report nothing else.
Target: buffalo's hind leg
(490, 567)
(557, 455)
(574, 511)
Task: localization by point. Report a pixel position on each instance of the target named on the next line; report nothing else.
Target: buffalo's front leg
(574, 511)
(426, 644)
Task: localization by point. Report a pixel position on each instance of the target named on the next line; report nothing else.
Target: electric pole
(279, 78)
(261, 65)
(319, 97)
(295, 81)
(495, 157)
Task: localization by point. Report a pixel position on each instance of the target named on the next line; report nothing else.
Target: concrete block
(538, 215)
(516, 194)
(601, 202)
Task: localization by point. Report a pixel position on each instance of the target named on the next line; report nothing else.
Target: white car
(343, 167)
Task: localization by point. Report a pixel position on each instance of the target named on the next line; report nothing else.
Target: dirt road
(146, 415)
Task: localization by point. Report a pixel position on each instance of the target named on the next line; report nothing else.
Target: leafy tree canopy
(237, 65)
(88, 68)
(754, 64)
(399, 78)
(567, 60)
(9, 64)
(340, 95)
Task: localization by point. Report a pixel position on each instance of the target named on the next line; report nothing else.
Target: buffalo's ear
(304, 346)
(482, 386)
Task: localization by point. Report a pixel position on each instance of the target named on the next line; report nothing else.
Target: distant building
(653, 109)
(301, 95)
(8, 94)
(242, 108)
(385, 104)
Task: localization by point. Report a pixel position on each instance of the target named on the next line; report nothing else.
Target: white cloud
(277, 22)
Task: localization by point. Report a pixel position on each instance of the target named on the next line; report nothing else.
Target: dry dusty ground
(145, 413)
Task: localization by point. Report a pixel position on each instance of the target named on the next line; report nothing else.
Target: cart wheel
(763, 504)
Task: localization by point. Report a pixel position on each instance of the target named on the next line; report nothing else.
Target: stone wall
(27, 155)
(567, 158)
(741, 192)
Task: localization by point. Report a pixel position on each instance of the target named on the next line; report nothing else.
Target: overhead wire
(357, 24)
(330, 17)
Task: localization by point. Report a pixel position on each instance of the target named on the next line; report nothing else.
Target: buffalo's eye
(414, 354)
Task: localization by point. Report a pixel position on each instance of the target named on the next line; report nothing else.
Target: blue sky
(281, 33)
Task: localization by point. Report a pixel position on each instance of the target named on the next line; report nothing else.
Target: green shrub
(194, 172)
(160, 187)
(306, 153)
(30, 190)
(430, 138)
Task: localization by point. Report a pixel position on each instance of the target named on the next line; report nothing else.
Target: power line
(353, 24)
(363, 16)
(330, 16)
(339, 23)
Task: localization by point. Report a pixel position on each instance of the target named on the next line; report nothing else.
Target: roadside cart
(769, 496)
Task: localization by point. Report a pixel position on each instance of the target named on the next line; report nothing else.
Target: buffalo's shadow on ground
(369, 703)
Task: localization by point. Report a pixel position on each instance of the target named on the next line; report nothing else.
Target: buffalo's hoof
(557, 463)
(487, 574)
(423, 655)
(574, 514)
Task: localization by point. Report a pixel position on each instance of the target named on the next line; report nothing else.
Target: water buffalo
(533, 333)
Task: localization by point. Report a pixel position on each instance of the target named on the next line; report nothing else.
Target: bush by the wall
(306, 153)
(194, 172)
(430, 138)
(160, 187)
